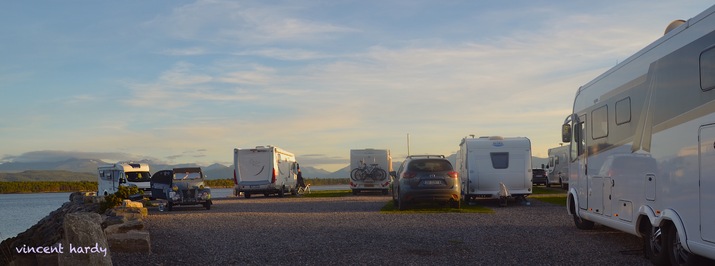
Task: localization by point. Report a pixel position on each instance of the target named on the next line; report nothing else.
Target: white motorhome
(112, 176)
(264, 170)
(369, 170)
(642, 155)
(486, 162)
(558, 168)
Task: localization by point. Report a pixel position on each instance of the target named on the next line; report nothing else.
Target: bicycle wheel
(357, 174)
(379, 174)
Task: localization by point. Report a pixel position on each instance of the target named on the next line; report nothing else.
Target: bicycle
(303, 190)
(373, 171)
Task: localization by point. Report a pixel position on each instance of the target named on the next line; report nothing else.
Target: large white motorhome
(264, 170)
(486, 162)
(369, 170)
(558, 167)
(642, 155)
(112, 176)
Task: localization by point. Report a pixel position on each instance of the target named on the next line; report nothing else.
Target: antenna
(408, 144)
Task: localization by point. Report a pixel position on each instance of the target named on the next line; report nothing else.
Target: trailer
(369, 170)
(642, 146)
(264, 170)
(557, 169)
(495, 167)
(112, 176)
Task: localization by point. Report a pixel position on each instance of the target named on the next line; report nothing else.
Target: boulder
(135, 224)
(84, 242)
(132, 241)
(132, 204)
(129, 213)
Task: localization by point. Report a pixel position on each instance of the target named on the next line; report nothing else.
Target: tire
(169, 206)
(379, 174)
(547, 184)
(456, 204)
(677, 253)
(356, 174)
(281, 192)
(207, 205)
(581, 223)
(355, 191)
(384, 192)
(654, 244)
(247, 195)
(401, 204)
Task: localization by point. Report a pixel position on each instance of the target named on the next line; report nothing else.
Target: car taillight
(453, 174)
(409, 175)
(273, 179)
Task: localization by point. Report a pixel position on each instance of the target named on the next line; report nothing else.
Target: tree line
(72, 186)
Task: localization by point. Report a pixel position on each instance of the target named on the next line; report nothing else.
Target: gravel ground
(352, 230)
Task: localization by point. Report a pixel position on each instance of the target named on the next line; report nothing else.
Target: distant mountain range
(61, 170)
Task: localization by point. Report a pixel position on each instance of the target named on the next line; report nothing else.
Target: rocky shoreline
(77, 234)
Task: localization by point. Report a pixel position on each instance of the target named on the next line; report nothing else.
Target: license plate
(252, 186)
(432, 182)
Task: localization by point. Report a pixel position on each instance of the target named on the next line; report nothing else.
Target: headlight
(175, 188)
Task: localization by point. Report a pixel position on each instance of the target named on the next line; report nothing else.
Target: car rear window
(430, 165)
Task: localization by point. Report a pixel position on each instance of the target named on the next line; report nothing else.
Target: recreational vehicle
(642, 145)
(489, 165)
(264, 170)
(111, 176)
(558, 167)
(369, 170)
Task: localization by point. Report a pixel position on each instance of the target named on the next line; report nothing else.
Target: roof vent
(673, 25)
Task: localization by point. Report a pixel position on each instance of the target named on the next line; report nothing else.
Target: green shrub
(113, 200)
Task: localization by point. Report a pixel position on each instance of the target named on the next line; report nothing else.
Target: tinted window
(500, 160)
(430, 165)
(707, 69)
(623, 111)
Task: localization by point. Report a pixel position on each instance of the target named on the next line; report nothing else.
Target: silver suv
(425, 178)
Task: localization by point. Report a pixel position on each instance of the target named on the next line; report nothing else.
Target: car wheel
(169, 206)
(247, 195)
(207, 205)
(281, 192)
(401, 204)
(654, 244)
(547, 184)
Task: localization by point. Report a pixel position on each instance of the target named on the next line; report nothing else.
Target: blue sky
(188, 81)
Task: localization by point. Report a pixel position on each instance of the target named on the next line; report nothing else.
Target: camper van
(558, 168)
(111, 176)
(642, 145)
(489, 165)
(369, 170)
(264, 170)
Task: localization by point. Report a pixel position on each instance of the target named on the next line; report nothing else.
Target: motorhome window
(599, 122)
(500, 160)
(623, 111)
(138, 177)
(707, 69)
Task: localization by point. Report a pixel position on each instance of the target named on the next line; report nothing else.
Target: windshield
(187, 175)
(138, 176)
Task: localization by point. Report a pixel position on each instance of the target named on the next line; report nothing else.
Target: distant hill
(47, 175)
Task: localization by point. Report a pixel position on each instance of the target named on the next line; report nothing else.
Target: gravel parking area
(352, 230)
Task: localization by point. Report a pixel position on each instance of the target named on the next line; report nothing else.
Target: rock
(132, 241)
(84, 241)
(129, 213)
(136, 224)
(132, 204)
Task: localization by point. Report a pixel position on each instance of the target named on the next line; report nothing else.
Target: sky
(189, 81)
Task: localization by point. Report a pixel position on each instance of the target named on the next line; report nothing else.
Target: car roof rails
(426, 156)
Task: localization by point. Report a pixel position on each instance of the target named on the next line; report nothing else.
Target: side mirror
(566, 133)
(122, 181)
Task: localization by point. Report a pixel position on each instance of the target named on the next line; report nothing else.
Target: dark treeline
(228, 183)
(46, 186)
(67, 186)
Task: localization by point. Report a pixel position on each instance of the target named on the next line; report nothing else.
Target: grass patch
(328, 193)
(553, 200)
(435, 208)
(546, 190)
